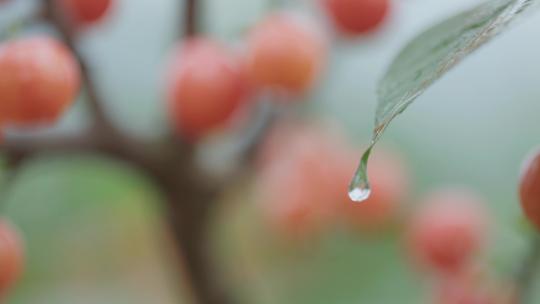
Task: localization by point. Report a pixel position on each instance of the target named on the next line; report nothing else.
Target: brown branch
(189, 201)
(190, 23)
(150, 158)
(190, 216)
(27, 147)
(66, 29)
(103, 137)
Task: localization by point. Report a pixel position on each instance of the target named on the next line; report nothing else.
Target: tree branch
(27, 147)
(190, 15)
(189, 200)
(67, 31)
(151, 158)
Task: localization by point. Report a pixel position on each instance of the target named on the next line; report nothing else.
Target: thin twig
(26, 147)
(68, 34)
(190, 23)
(265, 114)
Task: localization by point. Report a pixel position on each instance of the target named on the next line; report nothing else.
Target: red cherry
(296, 171)
(447, 233)
(11, 257)
(354, 17)
(289, 205)
(39, 79)
(206, 86)
(84, 12)
(284, 53)
(529, 189)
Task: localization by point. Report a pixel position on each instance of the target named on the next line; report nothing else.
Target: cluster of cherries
(450, 232)
(207, 81)
(304, 169)
(303, 166)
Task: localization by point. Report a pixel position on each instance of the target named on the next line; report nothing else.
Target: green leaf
(434, 52)
(429, 56)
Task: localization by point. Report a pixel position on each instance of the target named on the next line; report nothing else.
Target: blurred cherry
(356, 17)
(296, 168)
(305, 169)
(448, 231)
(11, 257)
(285, 53)
(206, 86)
(39, 80)
(85, 12)
(529, 189)
(471, 289)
